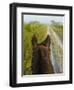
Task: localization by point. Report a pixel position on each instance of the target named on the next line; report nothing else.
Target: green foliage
(30, 29)
(58, 28)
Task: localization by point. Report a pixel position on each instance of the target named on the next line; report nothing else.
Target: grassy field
(40, 30)
(58, 28)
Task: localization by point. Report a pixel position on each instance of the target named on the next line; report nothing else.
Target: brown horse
(41, 63)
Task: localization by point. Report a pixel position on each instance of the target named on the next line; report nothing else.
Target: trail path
(56, 51)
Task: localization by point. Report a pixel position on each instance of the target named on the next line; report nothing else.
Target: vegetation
(40, 31)
(58, 28)
(30, 29)
(57, 43)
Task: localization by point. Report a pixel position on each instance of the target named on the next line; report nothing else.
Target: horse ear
(34, 40)
(48, 41)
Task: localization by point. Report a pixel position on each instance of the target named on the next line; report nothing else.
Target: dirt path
(56, 51)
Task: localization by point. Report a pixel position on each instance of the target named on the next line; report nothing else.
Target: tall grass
(30, 29)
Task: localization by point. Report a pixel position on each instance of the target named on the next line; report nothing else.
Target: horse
(41, 56)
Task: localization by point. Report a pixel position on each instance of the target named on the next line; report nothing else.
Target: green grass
(58, 28)
(30, 29)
